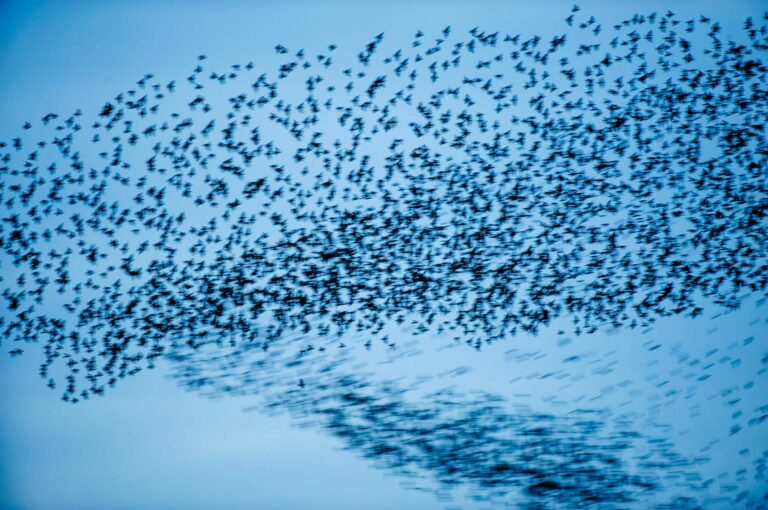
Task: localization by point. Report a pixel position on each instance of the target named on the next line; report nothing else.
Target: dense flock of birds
(479, 186)
(497, 451)
(613, 442)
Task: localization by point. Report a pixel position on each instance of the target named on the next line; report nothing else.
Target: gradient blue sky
(150, 445)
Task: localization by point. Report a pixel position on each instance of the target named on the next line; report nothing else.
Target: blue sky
(149, 444)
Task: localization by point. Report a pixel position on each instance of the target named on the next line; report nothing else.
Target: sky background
(149, 444)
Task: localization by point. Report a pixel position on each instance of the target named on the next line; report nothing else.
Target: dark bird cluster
(449, 440)
(508, 451)
(477, 185)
